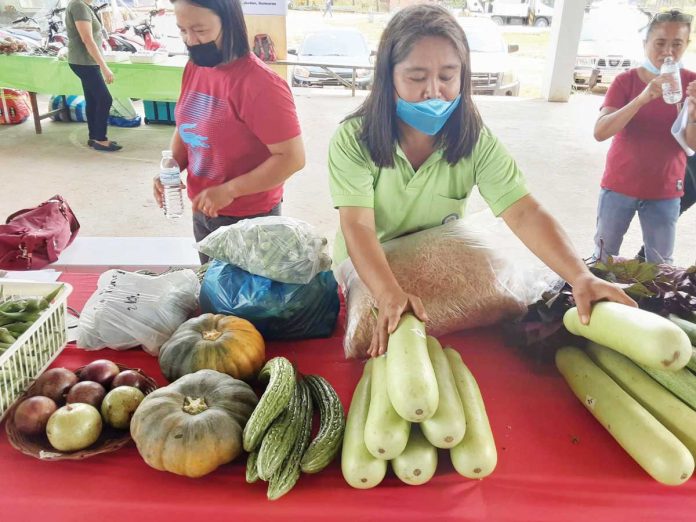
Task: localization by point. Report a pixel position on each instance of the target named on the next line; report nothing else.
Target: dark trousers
(97, 99)
(204, 225)
(689, 197)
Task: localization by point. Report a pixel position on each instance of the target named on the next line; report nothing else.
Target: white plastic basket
(36, 348)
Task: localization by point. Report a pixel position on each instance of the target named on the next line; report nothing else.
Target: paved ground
(111, 193)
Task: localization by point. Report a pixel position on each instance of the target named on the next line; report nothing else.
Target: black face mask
(205, 55)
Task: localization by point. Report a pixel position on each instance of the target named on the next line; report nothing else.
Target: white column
(565, 36)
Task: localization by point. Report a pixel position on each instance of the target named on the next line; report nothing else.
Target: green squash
(193, 425)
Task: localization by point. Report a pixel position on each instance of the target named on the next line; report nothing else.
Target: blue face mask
(428, 116)
(648, 66)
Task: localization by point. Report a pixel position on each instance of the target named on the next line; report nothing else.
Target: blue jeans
(658, 221)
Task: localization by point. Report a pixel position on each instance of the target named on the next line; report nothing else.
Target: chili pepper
(36, 304)
(50, 297)
(6, 337)
(12, 306)
(29, 304)
(8, 318)
(20, 317)
(19, 328)
(16, 316)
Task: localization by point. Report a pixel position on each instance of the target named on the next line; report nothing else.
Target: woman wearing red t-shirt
(237, 132)
(645, 165)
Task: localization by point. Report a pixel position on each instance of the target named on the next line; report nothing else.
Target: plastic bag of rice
(462, 281)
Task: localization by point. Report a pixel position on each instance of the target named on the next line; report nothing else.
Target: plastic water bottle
(671, 90)
(171, 181)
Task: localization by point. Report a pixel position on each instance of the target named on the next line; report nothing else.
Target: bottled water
(169, 176)
(672, 90)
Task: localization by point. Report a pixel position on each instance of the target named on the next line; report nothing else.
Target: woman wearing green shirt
(408, 158)
(86, 61)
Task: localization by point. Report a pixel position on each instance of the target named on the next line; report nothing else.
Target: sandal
(111, 147)
(90, 142)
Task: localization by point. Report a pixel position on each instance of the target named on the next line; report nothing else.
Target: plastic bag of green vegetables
(276, 247)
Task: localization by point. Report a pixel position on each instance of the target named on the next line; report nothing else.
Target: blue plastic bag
(76, 106)
(119, 121)
(277, 310)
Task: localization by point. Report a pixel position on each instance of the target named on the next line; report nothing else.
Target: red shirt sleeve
(687, 77)
(619, 92)
(185, 79)
(269, 111)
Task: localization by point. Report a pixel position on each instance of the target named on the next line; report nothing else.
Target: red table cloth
(555, 462)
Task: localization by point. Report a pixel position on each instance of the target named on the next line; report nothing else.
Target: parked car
(333, 47)
(611, 42)
(538, 13)
(492, 70)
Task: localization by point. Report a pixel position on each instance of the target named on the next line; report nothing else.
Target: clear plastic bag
(462, 279)
(277, 310)
(130, 309)
(276, 247)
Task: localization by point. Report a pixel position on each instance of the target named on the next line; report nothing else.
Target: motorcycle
(144, 36)
(56, 27)
(134, 38)
(112, 41)
(30, 34)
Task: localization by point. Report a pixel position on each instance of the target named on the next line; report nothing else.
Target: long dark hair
(235, 42)
(379, 121)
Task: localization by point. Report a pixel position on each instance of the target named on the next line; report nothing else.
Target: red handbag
(35, 237)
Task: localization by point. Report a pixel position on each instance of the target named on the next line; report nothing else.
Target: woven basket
(38, 446)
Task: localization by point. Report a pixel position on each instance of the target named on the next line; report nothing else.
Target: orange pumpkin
(224, 343)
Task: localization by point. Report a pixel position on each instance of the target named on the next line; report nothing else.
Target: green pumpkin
(193, 425)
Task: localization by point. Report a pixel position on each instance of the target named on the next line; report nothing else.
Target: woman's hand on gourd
(589, 289)
(391, 306)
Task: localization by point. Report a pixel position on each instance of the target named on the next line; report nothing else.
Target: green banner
(161, 81)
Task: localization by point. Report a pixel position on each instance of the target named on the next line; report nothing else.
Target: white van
(607, 48)
(522, 12)
(492, 71)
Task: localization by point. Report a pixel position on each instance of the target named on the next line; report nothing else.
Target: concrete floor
(111, 193)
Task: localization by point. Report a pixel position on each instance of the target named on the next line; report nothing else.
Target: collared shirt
(406, 201)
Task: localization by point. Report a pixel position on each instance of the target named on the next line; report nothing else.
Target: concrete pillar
(565, 36)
